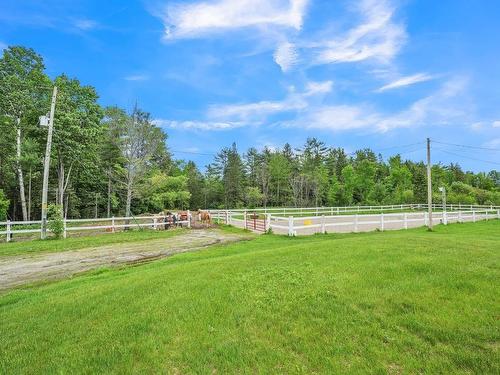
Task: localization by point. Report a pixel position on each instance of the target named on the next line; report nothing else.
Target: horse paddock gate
(255, 222)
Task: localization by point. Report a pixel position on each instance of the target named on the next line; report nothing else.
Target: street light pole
(46, 164)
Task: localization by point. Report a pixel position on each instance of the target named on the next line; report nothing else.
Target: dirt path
(25, 269)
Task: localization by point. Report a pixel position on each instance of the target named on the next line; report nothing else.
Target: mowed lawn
(393, 302)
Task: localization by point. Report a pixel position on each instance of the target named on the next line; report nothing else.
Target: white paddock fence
(110, 225)
(344, 223)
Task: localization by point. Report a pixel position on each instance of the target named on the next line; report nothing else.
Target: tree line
(108, 161)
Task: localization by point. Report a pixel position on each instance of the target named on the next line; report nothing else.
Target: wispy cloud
(85, 24)
(230, 116)
(137, 77)
(256, 113)
(496, 124)
(406, 81)
(200, 19)
(377, 37)
(2, 46)
(439, 108)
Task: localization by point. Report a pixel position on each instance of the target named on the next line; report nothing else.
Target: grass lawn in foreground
(392, 302)
(75, 243)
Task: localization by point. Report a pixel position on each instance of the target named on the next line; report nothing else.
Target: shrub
(55, 223)
(4, 205)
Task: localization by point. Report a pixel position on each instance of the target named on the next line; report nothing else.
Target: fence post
(154, 223)
(189, 218)
(382, 222)
(338, 210)
(356, 223)
(473, 216)
(459, 216)
(9, 233)
(405, 217)
(445, 218)
(498, 214)
(64, 228)
(290, 226)
(323, 224)
(426, 218)
(227, 217)
(113, 224)
(268, 222)
(245, 219)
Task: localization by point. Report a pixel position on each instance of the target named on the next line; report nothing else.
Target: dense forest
(110, 161)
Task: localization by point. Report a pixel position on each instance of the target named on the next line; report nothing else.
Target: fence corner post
(113, 224)
(9, 232)
(189, 218)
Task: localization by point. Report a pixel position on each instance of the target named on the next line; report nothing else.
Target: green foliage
(254, 197)
(4, 206)
(55, 220)
(167, 192)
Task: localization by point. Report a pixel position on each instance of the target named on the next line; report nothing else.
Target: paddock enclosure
(289, 221)
(307, 221)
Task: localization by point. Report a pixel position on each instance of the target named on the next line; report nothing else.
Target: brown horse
(204, 216)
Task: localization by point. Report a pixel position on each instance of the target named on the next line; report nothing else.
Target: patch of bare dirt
(25, 269)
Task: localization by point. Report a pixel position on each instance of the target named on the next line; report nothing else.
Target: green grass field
(392, 302)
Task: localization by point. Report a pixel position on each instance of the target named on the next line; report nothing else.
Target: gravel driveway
(25, 269)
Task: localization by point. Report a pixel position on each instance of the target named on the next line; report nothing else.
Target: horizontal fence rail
(303, 221)
(110, 225)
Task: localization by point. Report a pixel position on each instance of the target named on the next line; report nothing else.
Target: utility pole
(429, 182)
(46, 164)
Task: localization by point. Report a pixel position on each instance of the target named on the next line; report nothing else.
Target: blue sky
(368, 73)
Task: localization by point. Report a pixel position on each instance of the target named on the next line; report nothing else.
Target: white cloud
(137, 77)
(200, 125)
(496, 124)
(493, 143)
(286, 56)
(230, 116)
(378, 37)
(85, 24)
(440, 108)
(436, 109)
(406, 81)
(258, 112)
(199, 19)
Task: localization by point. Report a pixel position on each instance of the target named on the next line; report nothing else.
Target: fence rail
(298, 223)
(113, 224)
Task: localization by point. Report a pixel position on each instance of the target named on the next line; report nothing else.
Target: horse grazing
(204, 216)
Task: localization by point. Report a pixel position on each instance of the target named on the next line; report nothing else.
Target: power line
(467, 146)
(468, 157)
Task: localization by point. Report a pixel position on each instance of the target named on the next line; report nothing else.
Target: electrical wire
(467, 146)
(467, 157)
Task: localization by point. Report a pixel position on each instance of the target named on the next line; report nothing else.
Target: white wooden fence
(110, 225)
(299, 224)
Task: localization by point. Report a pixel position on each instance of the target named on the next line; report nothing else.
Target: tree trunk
(29, 196)
(109, 194)
(20, 171)
(129, 199)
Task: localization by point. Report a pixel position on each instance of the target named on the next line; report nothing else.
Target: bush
(4, 206)
(55, 223)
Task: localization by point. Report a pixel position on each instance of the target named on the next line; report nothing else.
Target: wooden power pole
(46, 164)
(429, 182)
